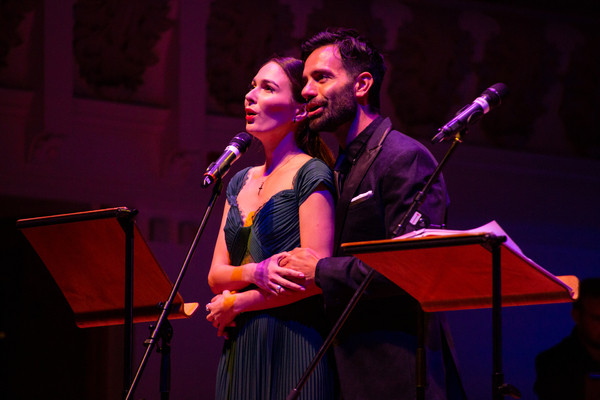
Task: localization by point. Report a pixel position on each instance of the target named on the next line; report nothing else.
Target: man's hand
(270, 276)
(303, 260)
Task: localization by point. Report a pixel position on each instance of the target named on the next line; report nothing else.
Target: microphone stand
(407, 217)
(163, 329)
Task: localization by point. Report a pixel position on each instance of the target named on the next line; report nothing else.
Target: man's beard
(341, 108)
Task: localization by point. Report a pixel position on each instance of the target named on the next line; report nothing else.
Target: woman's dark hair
(308, 141)
(358, 55)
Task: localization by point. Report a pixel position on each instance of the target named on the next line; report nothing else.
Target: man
(381, 171)
(571, 369)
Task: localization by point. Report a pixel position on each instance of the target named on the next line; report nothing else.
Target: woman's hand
(272, 278)
(222, 312)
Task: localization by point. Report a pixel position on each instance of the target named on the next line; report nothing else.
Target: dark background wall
(115, 103)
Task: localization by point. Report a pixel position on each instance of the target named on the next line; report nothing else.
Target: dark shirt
(357, 146)
(348, 157)
(562, 371)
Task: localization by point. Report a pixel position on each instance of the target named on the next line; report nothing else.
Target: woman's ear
(301, 113)
(362, 85)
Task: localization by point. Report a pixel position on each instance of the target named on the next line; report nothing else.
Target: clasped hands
(281, 274)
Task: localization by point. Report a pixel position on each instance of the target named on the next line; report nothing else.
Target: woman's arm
(316, 232)
(317, 224)
(223, 276)
(224, 307)
(267, 274)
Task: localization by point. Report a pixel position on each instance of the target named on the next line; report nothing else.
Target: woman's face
(269, 103)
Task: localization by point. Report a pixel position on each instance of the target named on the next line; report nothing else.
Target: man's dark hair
(358, 55)
(589, 288)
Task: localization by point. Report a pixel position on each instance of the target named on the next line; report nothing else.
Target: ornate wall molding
(12, 13)
(241, 36)
(440, 56)
(114, 40)
(44, 148)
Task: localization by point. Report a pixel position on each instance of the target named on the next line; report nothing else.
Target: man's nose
(308, 91)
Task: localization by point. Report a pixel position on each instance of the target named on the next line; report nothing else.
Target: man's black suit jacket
(375, 349)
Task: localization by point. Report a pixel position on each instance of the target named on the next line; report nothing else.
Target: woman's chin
(254, 130)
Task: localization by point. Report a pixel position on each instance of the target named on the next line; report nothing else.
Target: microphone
(217, 170)
(471, 113)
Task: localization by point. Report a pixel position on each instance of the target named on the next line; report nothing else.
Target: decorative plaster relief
(45, 147)
(241, 36)
(12, 13)
(114, 41)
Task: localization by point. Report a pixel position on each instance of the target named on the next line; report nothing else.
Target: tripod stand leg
(165, 361)
(165, 371)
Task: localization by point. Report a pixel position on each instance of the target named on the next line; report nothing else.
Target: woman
(271, 209)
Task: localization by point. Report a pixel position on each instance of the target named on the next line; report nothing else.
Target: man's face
(588, 321)
(329, 90)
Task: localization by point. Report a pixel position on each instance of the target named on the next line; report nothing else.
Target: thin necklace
(275, 170)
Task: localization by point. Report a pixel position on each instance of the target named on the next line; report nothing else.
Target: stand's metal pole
(128, 322)
(498, 376)
(420, 357)
(334, 331)
(166, 309)
(499, 388)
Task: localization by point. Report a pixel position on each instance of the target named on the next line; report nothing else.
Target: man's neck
(349, 131)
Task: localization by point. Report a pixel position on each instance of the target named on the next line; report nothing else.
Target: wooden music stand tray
(105, 270)
(466, 271)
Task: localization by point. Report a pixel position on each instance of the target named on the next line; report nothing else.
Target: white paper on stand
(490, 227)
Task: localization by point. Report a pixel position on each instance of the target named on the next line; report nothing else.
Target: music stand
(105, 270)
(453, 273)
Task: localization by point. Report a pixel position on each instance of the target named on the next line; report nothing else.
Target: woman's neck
(278, 153)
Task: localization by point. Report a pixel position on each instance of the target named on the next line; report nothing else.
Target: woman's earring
(294, 120)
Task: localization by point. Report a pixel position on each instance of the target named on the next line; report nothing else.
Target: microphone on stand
(471, 113)
(216, 170)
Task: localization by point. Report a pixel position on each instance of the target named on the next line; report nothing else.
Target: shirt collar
(356, 147)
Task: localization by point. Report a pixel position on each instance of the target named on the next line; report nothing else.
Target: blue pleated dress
(269, 350)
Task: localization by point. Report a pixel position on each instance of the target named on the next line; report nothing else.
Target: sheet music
(490, 227)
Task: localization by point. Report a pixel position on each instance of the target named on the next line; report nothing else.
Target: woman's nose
(251, 96)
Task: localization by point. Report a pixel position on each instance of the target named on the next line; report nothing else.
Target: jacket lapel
(356, 176)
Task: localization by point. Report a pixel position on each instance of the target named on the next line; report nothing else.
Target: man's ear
(301, 113)
(362, 85)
